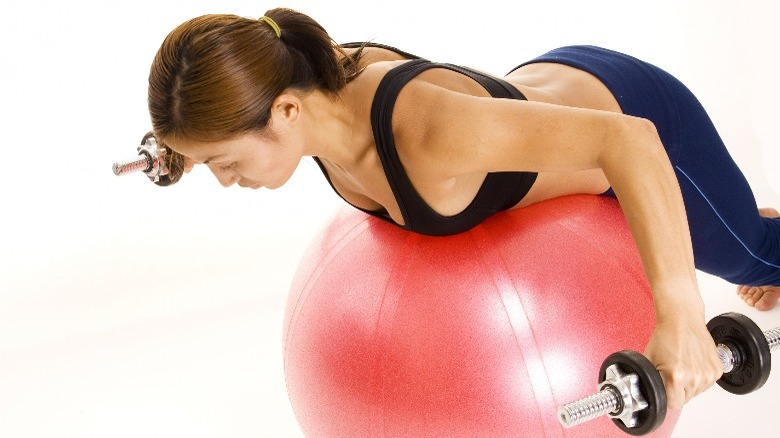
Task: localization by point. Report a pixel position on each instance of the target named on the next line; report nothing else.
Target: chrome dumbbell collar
(626, 389)
(158, 166)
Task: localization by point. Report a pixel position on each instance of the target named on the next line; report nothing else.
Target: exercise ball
(389, 333)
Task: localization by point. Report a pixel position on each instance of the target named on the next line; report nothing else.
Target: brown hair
(216, 76)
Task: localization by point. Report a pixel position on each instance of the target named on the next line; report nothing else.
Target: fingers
(688, 378)
(682, 385)
(687, 361)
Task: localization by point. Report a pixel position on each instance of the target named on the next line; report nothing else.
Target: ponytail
(311, 52)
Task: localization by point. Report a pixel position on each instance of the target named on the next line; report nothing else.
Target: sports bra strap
(499, 191)
(494, 86)
(381, 120)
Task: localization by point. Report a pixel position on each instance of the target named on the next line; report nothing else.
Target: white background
(130, 310)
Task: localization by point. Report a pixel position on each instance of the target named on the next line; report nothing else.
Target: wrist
(678, 301)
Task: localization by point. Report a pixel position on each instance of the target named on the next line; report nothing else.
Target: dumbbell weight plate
(651, 386)
(736, 330)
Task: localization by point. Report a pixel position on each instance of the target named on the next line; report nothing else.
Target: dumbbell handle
(151, 161)
(729, 359)
(142, 163)
(608, 402)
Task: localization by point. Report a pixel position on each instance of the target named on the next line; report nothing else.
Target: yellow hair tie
(273, 24)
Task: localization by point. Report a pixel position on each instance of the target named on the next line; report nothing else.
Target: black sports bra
(499, 191)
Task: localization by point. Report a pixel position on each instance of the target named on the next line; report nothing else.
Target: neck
(329, 128)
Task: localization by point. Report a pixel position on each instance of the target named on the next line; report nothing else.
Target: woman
(437, 149)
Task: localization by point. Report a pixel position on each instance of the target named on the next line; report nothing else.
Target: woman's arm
(467, 134)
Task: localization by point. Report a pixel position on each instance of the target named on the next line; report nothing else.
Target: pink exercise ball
(389, 333)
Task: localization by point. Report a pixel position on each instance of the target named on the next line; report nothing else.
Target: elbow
(631, 139)
(646, 129)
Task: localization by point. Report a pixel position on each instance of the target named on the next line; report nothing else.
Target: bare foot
(763, 297)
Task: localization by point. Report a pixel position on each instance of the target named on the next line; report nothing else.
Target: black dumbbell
(632, 392)
(745, 352)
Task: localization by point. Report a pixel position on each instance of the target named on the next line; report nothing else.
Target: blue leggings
(730, 239)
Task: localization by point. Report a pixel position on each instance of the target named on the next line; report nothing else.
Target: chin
(276, 184)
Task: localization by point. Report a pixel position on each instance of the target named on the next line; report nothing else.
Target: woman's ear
(287, 107)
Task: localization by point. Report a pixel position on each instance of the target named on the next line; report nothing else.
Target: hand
(684, 353)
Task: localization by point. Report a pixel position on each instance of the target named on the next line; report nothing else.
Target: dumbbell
(632, 392)
(152, 160)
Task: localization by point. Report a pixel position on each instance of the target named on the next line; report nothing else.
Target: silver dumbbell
(632, 392)
(153, 160)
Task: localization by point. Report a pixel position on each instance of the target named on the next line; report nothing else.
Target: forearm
(643, 179)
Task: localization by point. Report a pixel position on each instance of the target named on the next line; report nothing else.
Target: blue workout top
(499, 191)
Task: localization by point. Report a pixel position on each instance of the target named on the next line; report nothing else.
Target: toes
(767, 300)
(749, 294)
(762, 298)
(752, 295)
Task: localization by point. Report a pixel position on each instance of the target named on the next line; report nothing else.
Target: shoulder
(420, 112)
(420, 127)
(372, 54)
(465, 133)
(363, 88)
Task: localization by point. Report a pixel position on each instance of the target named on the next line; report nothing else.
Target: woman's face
(249, 160)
